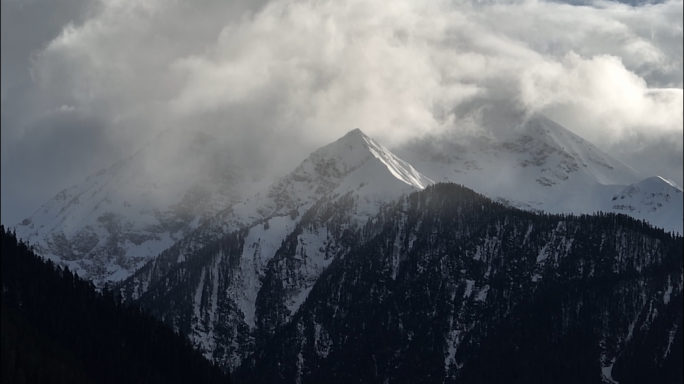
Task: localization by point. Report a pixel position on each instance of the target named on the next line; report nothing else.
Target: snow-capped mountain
(428, 288)
(655, 200)
(354, 163)
(353, 166)
(453, 282)
(354, 169)
(233, 266)
(535, 164)
(310, 212)
(118, 218)
(246, 272)
(182, 188)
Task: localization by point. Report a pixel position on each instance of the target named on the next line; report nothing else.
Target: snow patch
(259, 247)
(399, 168)
(469, 288)
(607, 373)
(298, 300)
(482, 293)
(668, 292)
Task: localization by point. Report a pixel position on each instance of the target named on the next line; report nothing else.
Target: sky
(86, 83)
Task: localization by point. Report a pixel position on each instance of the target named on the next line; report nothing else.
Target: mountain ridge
(530, 163)
(451, 268)
(120, 217)
(449, 242)
(536, 164)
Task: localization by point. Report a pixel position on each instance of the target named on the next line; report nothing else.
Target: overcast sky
(85, 83)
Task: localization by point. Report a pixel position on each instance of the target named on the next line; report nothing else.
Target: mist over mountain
(533, 163)
(362, 265)
(121, 216)
(182, 190)
(307, 191)
(85, 83)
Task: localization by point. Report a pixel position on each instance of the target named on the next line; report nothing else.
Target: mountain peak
(655, 200)
(352, 139)
(537, 164)
(354, 132)
(659, 181)
(356, 148)
(353, 163)
(136, 208)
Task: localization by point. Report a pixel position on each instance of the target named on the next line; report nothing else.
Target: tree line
(57, 328)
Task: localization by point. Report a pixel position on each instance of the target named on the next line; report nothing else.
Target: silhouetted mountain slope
(57, 329)
(457, 289)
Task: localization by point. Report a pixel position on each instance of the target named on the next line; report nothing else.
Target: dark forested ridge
(458, 289)
(441, 286)
(57, 329)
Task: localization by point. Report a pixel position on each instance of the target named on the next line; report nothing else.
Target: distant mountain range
(539, 165)
(119, 218)
(361, 265)
(182, 188)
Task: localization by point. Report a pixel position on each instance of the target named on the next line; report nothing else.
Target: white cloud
(600, 98)
(301, 73)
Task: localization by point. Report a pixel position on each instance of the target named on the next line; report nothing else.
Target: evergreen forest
(57, 328)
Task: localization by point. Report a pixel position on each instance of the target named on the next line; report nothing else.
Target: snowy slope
(118, 218)
(655, 200)
(445, 265)
(288, 233)
(354, 167)
(535, 164)
(452, 279)
(250, 268)
(353, 162)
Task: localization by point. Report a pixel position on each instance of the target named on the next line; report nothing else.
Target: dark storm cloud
(273, 80)
(28, 26)
(63, 117)
(50, 155)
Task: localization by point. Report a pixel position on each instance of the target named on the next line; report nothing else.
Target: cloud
(49, 156)
(273, 80)
(600, 92)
